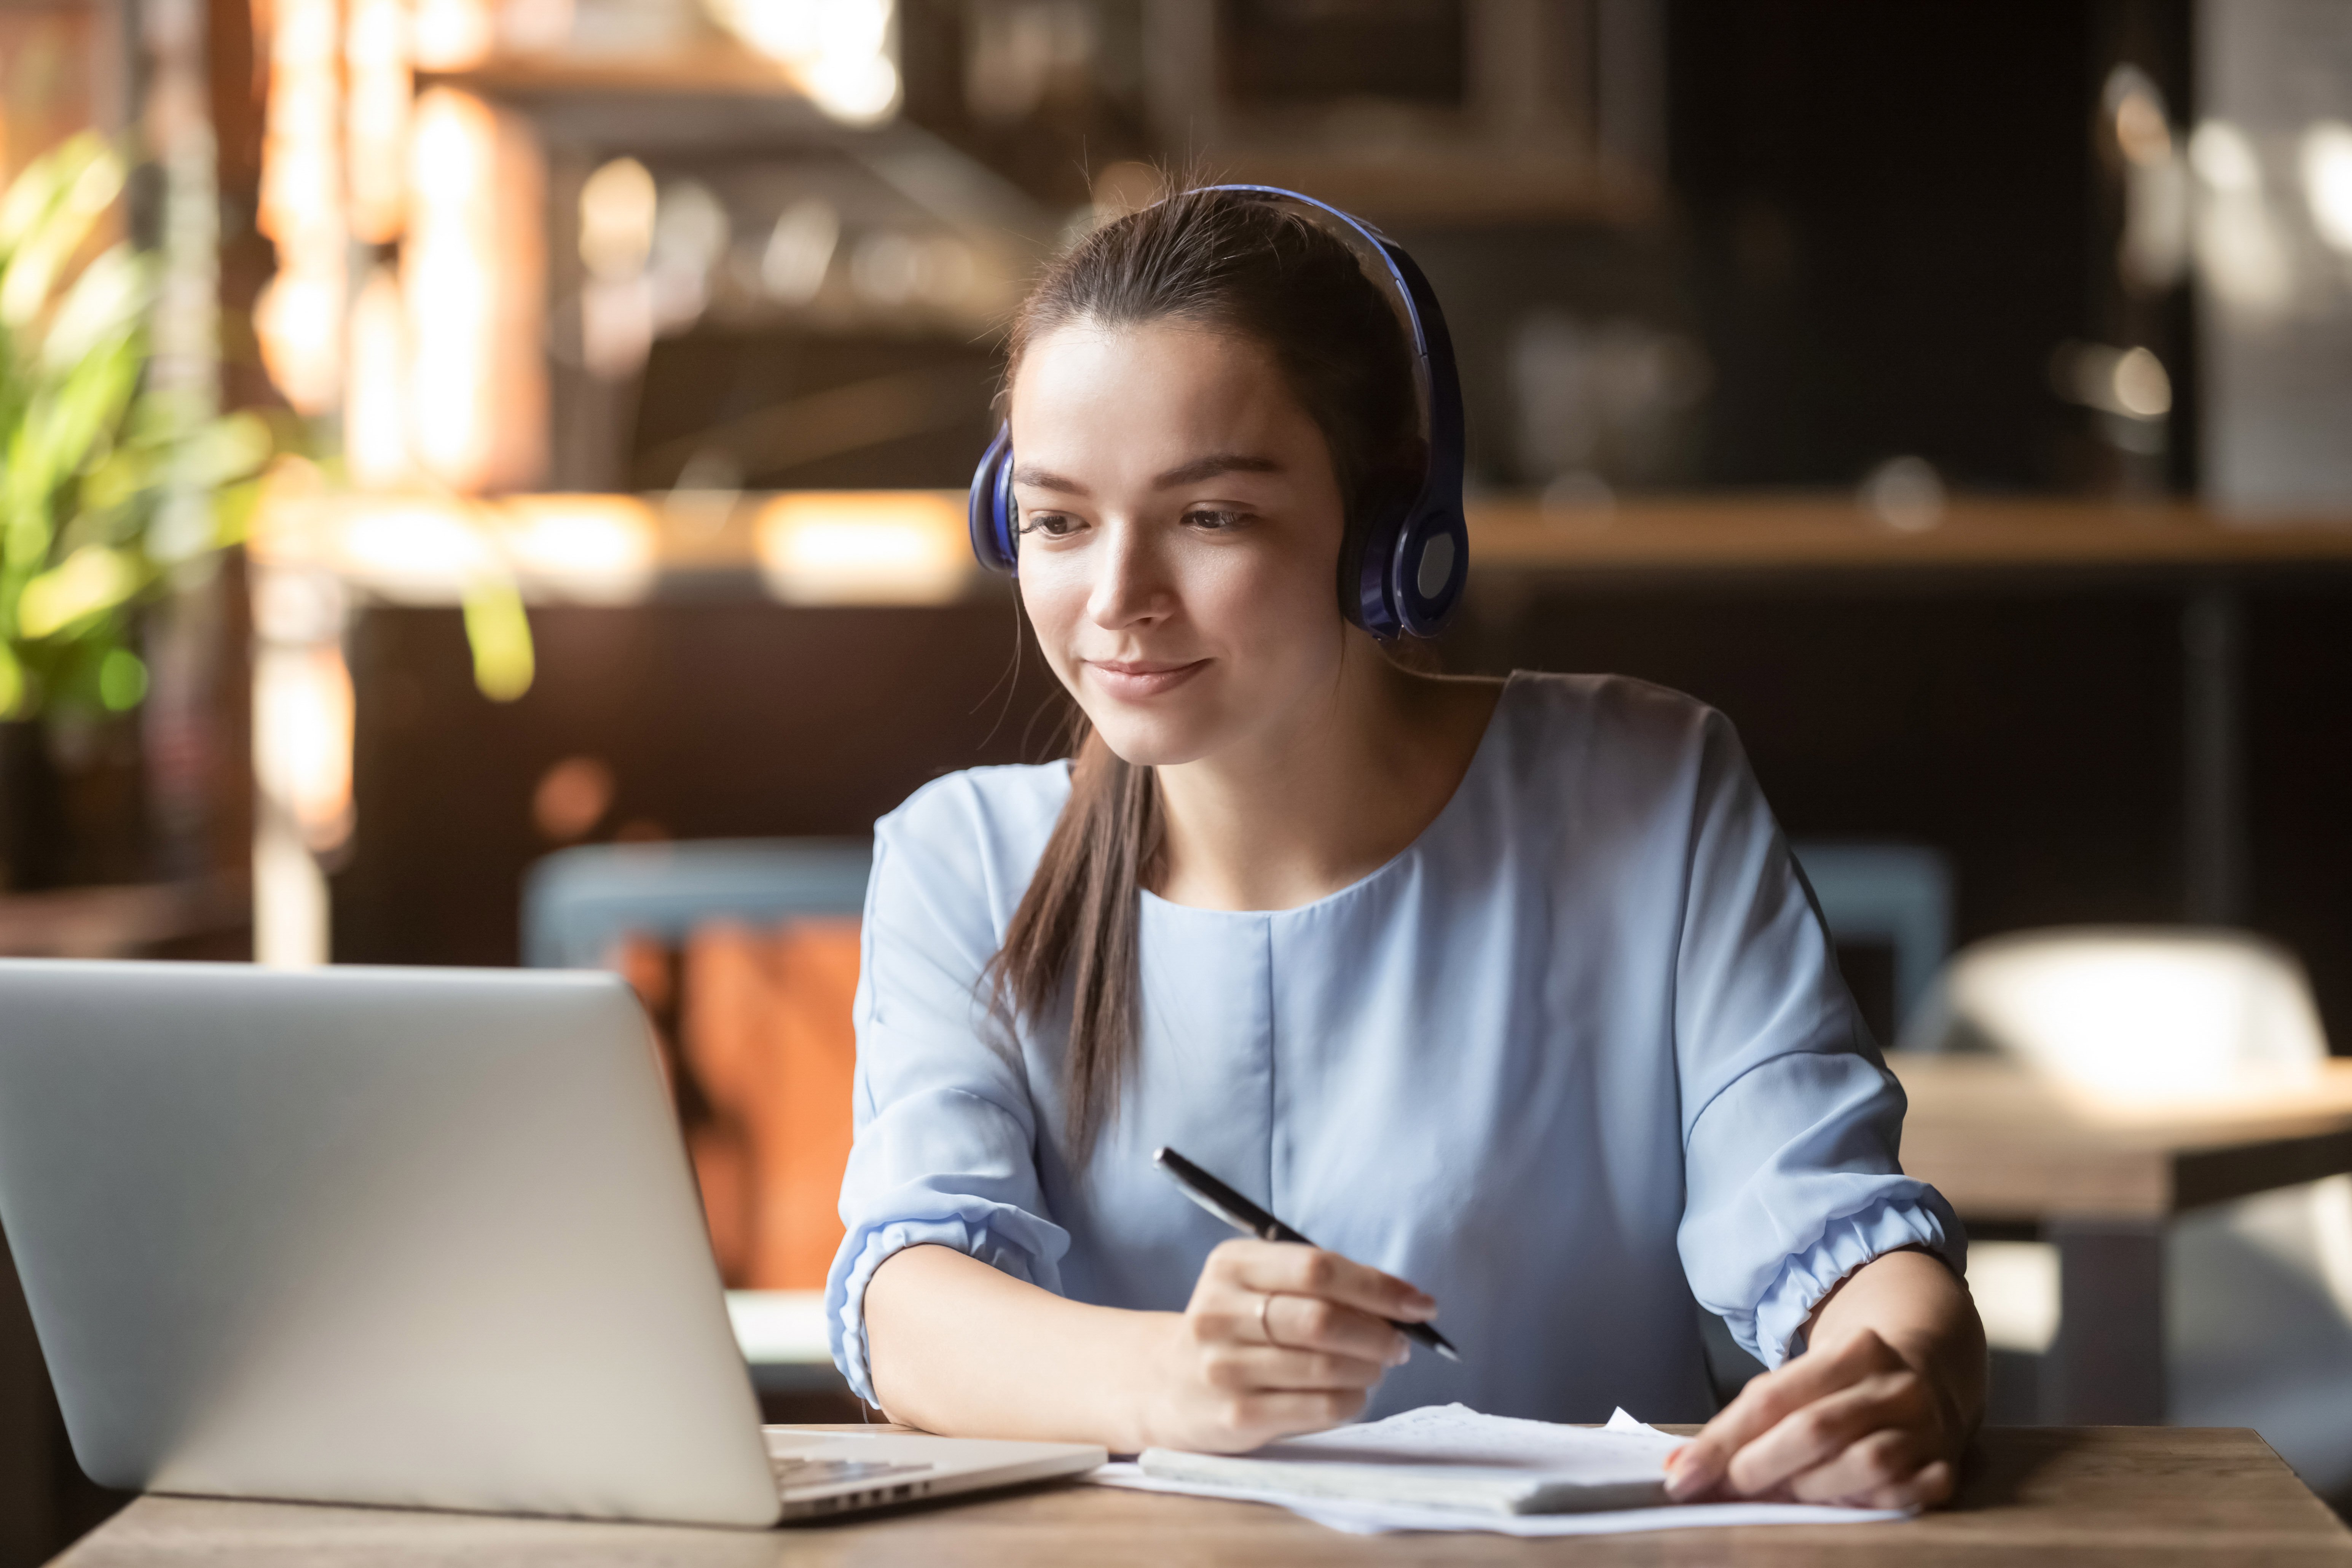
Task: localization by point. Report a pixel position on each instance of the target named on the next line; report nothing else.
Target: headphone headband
(1409, 565)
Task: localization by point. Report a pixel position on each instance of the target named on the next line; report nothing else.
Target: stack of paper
(1449, 1468)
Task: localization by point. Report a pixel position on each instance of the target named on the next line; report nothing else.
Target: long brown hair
(1259, 270)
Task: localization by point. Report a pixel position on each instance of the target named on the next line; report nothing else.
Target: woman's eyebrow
(1210, 466)
(1045, 479)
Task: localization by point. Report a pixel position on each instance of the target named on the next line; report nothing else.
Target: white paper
(1458, 1435)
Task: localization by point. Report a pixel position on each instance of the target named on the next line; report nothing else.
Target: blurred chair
(2258, 1293)
(1899, 896)
(746, 953)
(578, 902)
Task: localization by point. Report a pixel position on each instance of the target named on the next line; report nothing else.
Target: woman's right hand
(1278, 1339)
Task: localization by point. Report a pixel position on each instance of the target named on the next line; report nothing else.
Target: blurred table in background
(2101, 1179)
(2030, 1496)
(162, 918)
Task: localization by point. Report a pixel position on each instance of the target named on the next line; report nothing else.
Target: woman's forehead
(1152, 393)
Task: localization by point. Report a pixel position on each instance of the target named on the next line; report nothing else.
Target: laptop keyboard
(793, 1474)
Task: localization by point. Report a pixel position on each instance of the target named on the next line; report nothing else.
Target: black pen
(1245, 1216)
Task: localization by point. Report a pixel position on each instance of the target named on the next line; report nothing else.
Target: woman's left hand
(1856, 1420)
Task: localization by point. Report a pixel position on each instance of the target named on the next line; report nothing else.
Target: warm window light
(2141, 389)
(425, 549)
(2131, 384)
(840, 52)
(473, 274)
(2134, 107)
(798, 251)
(2239, 248)
(2328, 181)
(375, 60)
(691, 230)
(594, 549)
(375, 405)
(415, 549)
(451, 35)
(302, 738)
(617, 203)
(902, 547)
(291, 919)
(2224, 157)
(299, 318)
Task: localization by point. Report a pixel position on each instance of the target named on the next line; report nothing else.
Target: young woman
(1506, 992)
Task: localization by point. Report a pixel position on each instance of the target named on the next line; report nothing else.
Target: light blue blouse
(1578, 1062)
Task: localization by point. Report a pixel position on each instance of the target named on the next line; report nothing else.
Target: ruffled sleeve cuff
(854, 1267)
(1884, 1226)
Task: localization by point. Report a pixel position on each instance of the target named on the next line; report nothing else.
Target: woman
(1509, 993)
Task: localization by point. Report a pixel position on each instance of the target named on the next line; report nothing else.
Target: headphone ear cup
(1429, 569)
(993, 542)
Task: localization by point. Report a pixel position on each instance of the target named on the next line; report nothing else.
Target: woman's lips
(1135, 679)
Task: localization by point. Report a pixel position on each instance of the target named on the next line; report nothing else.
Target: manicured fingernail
(1421, 1306)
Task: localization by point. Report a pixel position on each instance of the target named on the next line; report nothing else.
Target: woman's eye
(1215, 521)
(1051, 525)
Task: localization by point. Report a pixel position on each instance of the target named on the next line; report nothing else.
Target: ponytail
(1080, 918)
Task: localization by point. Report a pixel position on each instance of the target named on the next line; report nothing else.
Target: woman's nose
(1130, 582)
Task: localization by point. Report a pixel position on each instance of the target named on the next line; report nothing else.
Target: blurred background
(483, 487)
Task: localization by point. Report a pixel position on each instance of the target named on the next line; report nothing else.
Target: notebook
(1446, 1457)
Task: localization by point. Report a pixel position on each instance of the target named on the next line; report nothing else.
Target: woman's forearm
(1278, 1339)
(960, 1348)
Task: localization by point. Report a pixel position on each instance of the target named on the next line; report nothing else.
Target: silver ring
(1265, 1305)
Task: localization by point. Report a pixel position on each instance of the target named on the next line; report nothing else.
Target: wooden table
(2101, 1180)
(2033, 1495)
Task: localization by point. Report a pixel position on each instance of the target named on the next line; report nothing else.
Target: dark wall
(717, 719)
(1894, 213)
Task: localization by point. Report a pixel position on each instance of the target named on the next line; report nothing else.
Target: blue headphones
(1414, 557)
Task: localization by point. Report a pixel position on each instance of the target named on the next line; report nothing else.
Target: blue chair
(578, 902)
(1895, 894)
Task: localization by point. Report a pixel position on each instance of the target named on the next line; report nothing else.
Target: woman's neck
(1322, 797)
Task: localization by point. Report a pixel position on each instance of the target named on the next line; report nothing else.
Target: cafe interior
(519, 454)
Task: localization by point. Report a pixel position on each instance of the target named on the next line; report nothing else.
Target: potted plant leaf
(111, 490)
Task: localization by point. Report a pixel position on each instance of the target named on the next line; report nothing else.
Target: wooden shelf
(1752, 532)
(716, 65)
(618, 548)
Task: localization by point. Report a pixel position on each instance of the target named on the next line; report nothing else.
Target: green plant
(111, 488)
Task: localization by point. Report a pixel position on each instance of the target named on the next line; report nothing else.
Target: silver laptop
(405, 1236)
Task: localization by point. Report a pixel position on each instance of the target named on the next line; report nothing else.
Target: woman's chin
(1155, 741)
